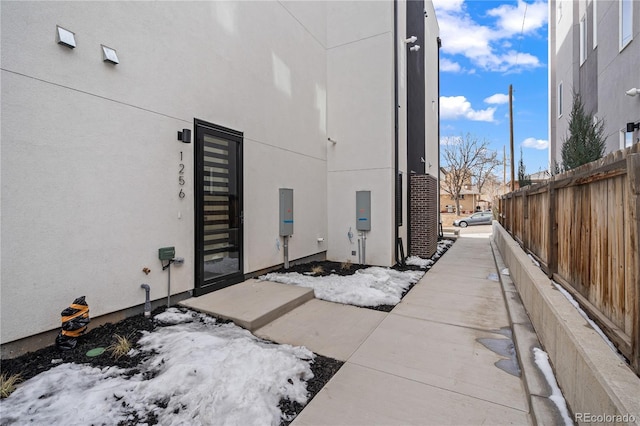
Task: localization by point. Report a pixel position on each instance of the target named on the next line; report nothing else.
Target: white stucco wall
(89, 151)
(89, 156)
(402, 117)
(361, 121)
(432, 142)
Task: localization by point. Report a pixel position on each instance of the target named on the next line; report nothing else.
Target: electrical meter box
(363, 210)
(166, 253)
(286, 212)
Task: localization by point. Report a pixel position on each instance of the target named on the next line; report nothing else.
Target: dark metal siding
(415, 88)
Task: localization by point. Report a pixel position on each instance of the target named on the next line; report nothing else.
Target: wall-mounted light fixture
(632, 126)
(411, 39)
(109, 55)
(184, 135)
(332, 141)
(415, 48)
(65, 37)
(632, 92)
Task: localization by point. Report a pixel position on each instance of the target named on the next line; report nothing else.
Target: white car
(480, 218)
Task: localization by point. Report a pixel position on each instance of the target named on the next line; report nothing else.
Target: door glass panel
(221, 250)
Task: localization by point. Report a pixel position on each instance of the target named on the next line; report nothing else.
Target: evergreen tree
(586, 141)
(523, 178)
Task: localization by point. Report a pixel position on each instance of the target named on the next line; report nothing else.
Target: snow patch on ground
(420, 262)
(533, 260)
(373, 286)
(443, 246)
(202, 373)
(367, 287)
(542, 361)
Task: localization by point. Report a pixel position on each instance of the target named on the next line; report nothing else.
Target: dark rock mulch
(323, 268)
(34, 363)
(326, 268)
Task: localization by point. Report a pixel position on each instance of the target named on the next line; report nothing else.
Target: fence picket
(589, 223)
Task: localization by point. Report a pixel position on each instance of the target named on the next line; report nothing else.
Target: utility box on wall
(286, 211)
(166, 253)
(363, 210)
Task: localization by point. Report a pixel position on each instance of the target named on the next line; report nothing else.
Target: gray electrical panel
(286, 212)
(363, 210)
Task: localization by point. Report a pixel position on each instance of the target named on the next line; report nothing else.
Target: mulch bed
(34, 363)
(326, 268)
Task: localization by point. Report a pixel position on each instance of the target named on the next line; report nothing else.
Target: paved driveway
(483, 230)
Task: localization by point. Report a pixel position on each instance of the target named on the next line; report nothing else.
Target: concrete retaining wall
(594, 380)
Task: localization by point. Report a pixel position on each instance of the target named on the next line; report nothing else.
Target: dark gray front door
(218, 206)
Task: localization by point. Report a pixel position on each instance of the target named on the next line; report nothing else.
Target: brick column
(423, 224)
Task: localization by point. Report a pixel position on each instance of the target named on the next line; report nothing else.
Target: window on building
(594, 23)
(626, 22)
(560, 100)
(583, 39)
(626, 139)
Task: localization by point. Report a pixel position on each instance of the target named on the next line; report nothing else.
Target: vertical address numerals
(181, 180)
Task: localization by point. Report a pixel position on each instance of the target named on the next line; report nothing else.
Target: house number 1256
(181, 194)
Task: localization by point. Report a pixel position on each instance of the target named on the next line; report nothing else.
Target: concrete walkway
(433, 360)
(444, 355)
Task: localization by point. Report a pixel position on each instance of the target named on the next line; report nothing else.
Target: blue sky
(486, 46)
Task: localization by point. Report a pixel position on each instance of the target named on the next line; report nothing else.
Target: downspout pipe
(396, 136)
(439, 41)
(147, 301)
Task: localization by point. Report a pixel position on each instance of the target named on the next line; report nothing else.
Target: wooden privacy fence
(583, 227)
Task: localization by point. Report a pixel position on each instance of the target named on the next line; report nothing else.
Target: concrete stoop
(594, 381)
(251, 304)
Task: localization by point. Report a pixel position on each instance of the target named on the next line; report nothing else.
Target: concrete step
(251, 304)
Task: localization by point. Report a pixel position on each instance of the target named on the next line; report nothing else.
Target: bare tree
(466, 160)
(483, 170)
(493, 189)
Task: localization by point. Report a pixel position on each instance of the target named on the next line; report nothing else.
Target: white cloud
(535, 143)
(450, 5)
(447, 65)
(498, 98)
(510, 17)
(458, 107)
(491, 47)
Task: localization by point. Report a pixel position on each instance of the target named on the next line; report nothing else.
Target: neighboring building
(325, 98)
(539, 177)
(470, 198)
(594, 50)
(470, 201)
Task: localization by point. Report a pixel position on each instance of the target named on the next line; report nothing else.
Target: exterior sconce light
(415, 48)
(632, 126)
(184, 136)
(411, 39)
(632, 92)
(109, 55)
(65, 37)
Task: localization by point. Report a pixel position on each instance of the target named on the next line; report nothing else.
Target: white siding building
(310, 96)
(594, 50)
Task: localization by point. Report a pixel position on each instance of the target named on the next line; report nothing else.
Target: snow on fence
(583, 227)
